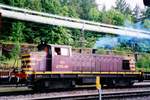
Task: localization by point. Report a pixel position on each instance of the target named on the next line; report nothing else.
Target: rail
(89, 96)
(79, 93)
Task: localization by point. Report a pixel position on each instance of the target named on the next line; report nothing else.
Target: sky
(109, 3)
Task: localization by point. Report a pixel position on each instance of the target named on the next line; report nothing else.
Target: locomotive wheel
(111, 83)
(127, 83)
(130, 83)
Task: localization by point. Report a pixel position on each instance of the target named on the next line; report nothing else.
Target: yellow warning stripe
(26, 59)
(47, 72)
(29, 64)
(27, 68)
(24, 55)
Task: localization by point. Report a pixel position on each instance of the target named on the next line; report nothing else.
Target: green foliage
(17, 37)
(123, 7)
(147, 23)
(2, 58)
(15, 51)
(35, 5)
(19, 3)
(51, 6)
(17, 31)
(113, 17)
(58, 35)
(94, 14)
(147, 12)
(84, 9)
(143, 61)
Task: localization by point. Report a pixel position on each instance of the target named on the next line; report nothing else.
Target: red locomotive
(59, 66)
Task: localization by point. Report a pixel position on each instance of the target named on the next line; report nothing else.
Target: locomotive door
(61, 58)
(47, 49)
(48, 58)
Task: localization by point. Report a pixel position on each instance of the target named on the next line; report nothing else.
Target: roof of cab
(56, 45)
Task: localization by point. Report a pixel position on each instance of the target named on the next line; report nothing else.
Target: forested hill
(14, 30)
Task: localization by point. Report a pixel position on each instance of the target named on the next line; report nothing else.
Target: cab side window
(61, 51)
(57, 51)
(65, 51)
(125, 64)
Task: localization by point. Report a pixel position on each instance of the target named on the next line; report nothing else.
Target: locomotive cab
(54, 53)
(46, 58)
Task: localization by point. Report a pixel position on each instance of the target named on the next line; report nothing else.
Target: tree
(51, 6)
(84, 9)
(17, 31)
(35, 4)
(147, 23)
(113, 17)
(137, 12)
(73, 7)
(18, 3)
(94, 14)
(147, 13)
(123, 7)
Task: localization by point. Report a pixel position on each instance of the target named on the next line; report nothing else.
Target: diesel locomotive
(60, 66)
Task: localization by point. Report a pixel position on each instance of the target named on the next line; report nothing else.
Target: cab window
(65, 51)
(61, 51)
(57, 51)
(126, 65)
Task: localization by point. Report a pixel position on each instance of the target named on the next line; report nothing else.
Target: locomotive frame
(61, 76)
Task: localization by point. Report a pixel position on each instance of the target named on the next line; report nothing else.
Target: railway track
(79, 95)
(94, 95)
(75, 94)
